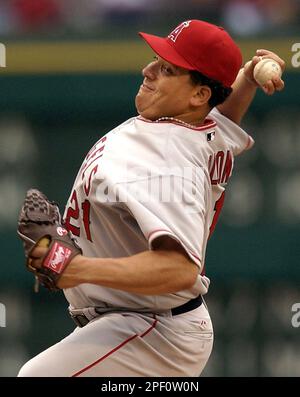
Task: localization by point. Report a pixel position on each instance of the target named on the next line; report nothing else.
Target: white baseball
(265, 70)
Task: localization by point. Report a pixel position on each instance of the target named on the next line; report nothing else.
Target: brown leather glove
(40, 222)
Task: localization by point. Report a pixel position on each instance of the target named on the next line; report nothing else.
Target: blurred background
(73, 69)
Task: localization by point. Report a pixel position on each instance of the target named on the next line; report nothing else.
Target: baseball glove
(40, 224)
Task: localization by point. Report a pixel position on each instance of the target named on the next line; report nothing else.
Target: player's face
(166, 91)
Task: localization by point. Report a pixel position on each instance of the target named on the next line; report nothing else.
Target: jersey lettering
(93, 155)
(86, 207)
(79, 210)
(87, 187)
(220, 168)
(218, 207)
(74, 213)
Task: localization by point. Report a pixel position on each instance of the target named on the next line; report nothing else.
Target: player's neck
(190, 119)
(179, 121)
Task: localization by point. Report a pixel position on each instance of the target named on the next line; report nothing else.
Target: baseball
(265, 70)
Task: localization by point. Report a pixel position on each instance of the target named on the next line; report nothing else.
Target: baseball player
(144, 203)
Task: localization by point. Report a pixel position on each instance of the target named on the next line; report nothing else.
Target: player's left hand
(276, 84)
(40, 224)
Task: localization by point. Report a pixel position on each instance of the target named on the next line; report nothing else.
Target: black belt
(81, 320)
(188, 306)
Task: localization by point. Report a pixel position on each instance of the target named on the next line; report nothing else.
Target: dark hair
(219, 92)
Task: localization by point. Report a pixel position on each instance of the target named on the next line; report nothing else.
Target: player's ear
(201, 95)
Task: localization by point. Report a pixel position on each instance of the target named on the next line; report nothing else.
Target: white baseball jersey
(144, 180)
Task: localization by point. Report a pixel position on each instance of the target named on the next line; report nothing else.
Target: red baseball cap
(201, 46)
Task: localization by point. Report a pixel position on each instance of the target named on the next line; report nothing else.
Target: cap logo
(176, 32)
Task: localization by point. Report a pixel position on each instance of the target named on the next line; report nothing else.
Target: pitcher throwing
(130, 254)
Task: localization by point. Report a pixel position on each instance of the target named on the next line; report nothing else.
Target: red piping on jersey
(165, 230)
(208, 123)
(115, 349)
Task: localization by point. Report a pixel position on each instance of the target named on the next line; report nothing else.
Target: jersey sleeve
(169, 205)
(236, 136)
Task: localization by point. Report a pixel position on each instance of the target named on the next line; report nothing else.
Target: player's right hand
(276, 84)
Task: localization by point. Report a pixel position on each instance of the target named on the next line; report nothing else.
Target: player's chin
(141, 106)
(145, 108)
(146, 114)
(141, 101)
